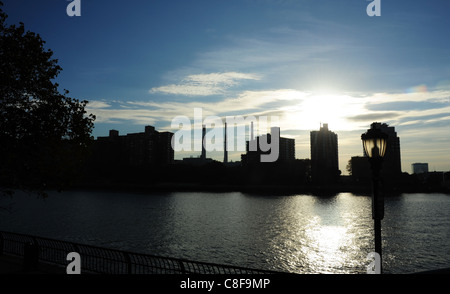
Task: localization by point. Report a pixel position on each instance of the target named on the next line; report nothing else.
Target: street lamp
(374, 143)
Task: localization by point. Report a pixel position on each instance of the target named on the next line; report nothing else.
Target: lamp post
(374, 143)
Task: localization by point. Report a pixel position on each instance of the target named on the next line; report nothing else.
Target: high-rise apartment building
(324, 155)
(149, 147)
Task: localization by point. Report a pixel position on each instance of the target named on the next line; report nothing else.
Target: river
(292, 233)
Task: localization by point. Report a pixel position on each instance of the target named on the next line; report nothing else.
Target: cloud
(136, 116)
(98, 104)
(188, 90)
(406, 105)
(267, 103)
(205, 84)
(297, 110)
(227, 79)
(440, 96)
(376, 116)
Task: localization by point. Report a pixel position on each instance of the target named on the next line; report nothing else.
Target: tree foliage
(349, 167)
(44, 135)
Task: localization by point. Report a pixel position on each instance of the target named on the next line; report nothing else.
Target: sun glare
(315, 109)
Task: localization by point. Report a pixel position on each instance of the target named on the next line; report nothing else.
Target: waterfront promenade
(50, 256)
(10, 264)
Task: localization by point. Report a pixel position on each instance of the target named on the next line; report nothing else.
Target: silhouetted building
(225, 150)
(286, 150)
(302, 171)
(419, 168)
(135, 149)
(203, 156)
(324, 155)
(165, 150)
(360, 169)
(198, 161)
(391, 167)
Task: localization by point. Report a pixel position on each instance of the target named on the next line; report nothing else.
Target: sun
(315, 109)
(321, 108)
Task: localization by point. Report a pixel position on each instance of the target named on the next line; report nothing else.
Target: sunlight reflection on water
(324, 235)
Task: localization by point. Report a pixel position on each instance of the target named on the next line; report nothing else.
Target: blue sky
(307, 61)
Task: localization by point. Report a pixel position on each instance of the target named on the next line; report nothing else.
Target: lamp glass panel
(382, 145)
(368, 145)
(377, 143)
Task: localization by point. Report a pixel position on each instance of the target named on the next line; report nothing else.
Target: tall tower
(251, 133)
(324, 155)
(203, 156)
(225, 154)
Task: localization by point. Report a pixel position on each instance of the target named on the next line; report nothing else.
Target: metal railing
(108, 261)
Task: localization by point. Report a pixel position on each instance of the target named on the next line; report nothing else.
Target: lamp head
(374, 142)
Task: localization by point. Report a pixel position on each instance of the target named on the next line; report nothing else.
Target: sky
(305, 62)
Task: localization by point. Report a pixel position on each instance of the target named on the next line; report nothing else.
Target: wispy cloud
(98, 104)
(409, 108)
(375, 116)
(299, 110)
(205, 84)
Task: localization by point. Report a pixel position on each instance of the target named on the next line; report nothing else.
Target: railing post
(30, 256)
(1, 243)
(183, 270)
(77, 250)
(128, 260)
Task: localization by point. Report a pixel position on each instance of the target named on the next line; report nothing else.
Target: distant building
(360, 169)
(201, 160)
(203, 156)
(286, 150)
(302, 171)
(197, 161)
(165, 150)
(225, 147)
(135, 149)
(419, 168)
(324, 155)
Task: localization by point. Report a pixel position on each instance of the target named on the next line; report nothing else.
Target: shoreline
(328, 190)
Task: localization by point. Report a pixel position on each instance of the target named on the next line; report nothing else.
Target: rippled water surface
(299, 233)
